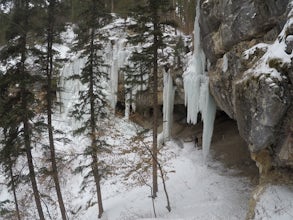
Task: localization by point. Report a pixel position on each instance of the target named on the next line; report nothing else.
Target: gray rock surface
(225, 23)
(261, 106)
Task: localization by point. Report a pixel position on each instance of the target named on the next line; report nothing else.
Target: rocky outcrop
(225, 23)
(249, 45)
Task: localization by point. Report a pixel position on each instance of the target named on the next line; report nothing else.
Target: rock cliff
(249, 45)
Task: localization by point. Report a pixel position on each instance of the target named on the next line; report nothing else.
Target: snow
(196, 87)
(275, 51)
(6, 7)
(196, 192)
(275, 203)
(252, 50)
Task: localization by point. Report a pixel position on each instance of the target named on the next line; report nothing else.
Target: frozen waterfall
(168, 104)
(117, 57)
(196, 87)
(69, 94)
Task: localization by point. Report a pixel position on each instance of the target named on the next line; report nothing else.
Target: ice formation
(196, 87)
(116, 59)
(168, 104)
(115, 55)
(69, 94)
(130, 97)
(225, 63)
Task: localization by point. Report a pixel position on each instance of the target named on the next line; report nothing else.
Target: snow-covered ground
(197, 190)
(275, 203)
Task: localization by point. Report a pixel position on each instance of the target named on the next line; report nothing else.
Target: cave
(120, 108)
(227, 146)
(230, 148)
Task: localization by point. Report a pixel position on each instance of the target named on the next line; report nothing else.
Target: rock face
(225, 23)
(249, 45)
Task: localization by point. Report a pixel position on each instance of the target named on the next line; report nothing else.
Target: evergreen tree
(3, 24)
(9, 153)
(51, 34)
(93, 104)
(22, 78)
(150, 20)
(10, 142)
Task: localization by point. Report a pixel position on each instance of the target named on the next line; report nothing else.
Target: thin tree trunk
(13, 187)
(162, 176)
(94, 150)
(97, 179)
(165, 188)
(31, 167)
(25, 118)
(49, 71)
(155, 106)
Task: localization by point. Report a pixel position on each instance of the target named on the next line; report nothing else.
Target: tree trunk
(25, 117)
(13, 187)
(31, 166)
(49, 71)
(155, 106)
(94, 150)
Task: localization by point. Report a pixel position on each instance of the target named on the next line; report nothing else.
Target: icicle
(117, 60)
(168, 104)
(127, 105)
(225, 63)
(69, 94)
(208, 111)
(114, 80)
(196, 87)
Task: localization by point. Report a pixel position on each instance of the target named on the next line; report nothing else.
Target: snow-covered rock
(250, 49)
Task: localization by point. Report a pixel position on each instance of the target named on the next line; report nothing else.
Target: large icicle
(196, 87)
(69, 94)
(116, 60)
(168, 104)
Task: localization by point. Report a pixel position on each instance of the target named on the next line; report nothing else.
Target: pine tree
(50, 68)
(8, 155)
(22, 81)
(148, 34)
(10, 141)
(93, 104)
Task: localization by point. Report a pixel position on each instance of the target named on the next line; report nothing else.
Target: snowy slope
(196, 192)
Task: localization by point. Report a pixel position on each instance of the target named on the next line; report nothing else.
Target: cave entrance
(180, 128)
(120, 108)
(227, 145)
(230, 148)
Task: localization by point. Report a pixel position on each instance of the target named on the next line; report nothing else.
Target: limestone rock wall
(249, 45)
